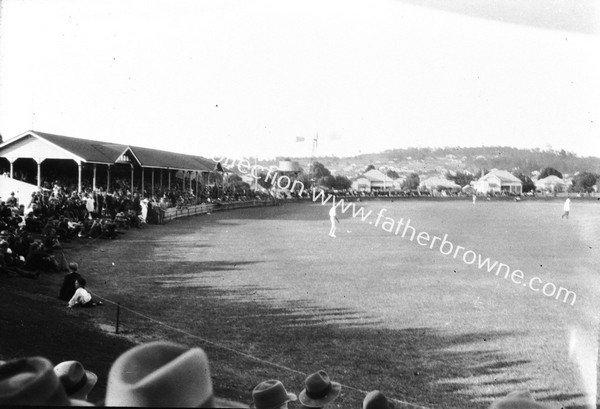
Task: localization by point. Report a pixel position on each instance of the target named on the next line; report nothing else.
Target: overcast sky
(245, 78)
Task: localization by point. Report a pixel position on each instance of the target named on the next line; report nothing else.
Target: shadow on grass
(35, 323)
(424, 366)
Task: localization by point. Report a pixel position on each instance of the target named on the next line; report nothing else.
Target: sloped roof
(503, 175)
(375, 175)
(91, 151)
(551, 180)
(108, 153)
(439, 182)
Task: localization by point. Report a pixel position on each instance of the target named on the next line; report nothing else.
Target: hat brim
(82, 393)
(224, 403)
(80, 402)
(291, 398)
(336, 389)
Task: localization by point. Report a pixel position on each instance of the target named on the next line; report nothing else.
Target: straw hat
(376, 400)
(521, 399)
(270, 394)
(32, 382)
(162, 374)
(319, 390)
(75, 379)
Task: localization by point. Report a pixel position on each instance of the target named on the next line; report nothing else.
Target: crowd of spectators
(31, 232)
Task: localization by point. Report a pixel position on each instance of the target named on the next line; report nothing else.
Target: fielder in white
(566, 208)
(333, 218)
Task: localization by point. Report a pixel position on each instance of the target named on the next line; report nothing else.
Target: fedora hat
(270, 394)
(75, 379)
(319, 390)
(162, 373)
(520, 399)
(31, 382)
(376, 400)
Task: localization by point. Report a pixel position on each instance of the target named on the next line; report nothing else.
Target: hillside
(429, 161)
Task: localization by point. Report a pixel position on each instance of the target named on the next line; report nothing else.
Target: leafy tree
(528, 184)
(460, 178)
(412, 182)
(370, 167)
(342, 182)
(318, 171)
(550, 171)
(233, 179)
(585, 181)
(392, 174)
(267, 184)
(305, 180)
(327, 182)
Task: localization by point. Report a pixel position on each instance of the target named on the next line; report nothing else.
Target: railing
(185, 211)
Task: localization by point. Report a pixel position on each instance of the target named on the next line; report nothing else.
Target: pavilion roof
(108, 153)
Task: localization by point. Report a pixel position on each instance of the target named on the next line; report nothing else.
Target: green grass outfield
(375, 310)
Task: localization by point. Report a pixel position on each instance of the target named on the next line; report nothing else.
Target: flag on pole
(299, 138)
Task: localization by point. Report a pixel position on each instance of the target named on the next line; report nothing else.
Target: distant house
(439, 184)
(288, 166)
(374, 180)
(498, 181)
(551, 183)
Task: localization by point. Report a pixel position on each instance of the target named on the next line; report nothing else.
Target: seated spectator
(40, 260)
(518, 400)
(319, 390)
(271, 395)
(95, 229)
(163, 374)
(376, 400)
(32, 382)
(12, 201)
(6, 254)
(67, 289)
(109, 229)
(82, 297)
(75, 379)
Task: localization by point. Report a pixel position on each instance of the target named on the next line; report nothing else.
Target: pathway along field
(375, 310)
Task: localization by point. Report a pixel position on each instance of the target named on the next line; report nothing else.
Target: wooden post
(152, 190)
(108, 179)
(79, 166)
(118, 313)
(131, 180)
(39, 174)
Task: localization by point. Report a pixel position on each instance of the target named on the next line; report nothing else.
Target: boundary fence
(185, 211)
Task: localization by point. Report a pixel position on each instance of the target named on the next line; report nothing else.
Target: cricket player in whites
(333, 218)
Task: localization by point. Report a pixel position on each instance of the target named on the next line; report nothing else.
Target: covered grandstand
(34, 156)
